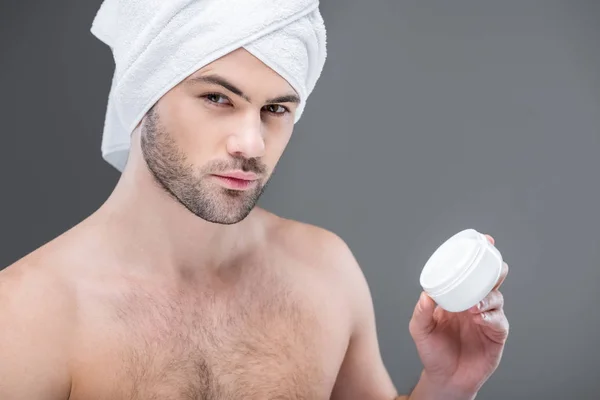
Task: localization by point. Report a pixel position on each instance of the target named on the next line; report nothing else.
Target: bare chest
(265, 344)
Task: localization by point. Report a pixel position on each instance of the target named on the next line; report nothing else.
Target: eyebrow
(219, 80)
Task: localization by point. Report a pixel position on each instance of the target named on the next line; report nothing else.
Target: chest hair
(253, 342)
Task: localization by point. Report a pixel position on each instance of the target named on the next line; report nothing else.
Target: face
(213, 141)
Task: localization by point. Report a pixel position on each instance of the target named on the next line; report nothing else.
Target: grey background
(430, 117)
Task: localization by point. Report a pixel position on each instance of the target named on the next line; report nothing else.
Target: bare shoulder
(36, 323)
(34, 286)
(326, 252)
(321, 247)
(36, 298)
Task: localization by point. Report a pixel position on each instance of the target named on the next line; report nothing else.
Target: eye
(216, 98)
(276, 109)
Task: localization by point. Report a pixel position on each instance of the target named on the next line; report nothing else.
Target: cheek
(192, 130)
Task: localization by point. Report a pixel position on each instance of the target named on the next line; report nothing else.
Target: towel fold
(156, 44)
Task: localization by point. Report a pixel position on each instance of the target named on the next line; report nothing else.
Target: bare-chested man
(179, 287)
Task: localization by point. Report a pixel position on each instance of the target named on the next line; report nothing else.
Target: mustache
(253, 165)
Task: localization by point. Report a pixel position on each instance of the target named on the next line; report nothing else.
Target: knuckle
(493, 300)
(499, 298)
(503, 320)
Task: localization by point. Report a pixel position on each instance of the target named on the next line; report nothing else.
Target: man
(179, 287)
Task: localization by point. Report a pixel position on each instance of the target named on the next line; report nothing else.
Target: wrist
(427, 389)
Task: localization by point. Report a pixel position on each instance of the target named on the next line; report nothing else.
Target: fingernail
(481, 304)
(485, 316)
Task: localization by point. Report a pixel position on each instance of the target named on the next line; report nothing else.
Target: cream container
(462, 271)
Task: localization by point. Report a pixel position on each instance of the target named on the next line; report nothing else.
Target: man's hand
(459, 351)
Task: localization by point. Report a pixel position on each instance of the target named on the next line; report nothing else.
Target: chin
(224, 219)
(226, 211)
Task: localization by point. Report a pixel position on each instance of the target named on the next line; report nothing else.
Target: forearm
(426, 390)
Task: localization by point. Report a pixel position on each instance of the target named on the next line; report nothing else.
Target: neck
(149, 227)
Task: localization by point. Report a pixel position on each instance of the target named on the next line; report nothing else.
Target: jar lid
(451, 261)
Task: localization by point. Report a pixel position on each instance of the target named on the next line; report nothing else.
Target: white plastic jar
(462, 271)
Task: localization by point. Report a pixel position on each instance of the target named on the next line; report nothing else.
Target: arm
(33, 337)
(363, 375)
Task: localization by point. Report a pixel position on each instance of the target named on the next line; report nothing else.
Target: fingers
(489, 313)
(422, 322)
(493, 301)
(490, 239)
(495, 324)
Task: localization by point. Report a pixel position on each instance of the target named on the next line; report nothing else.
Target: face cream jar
(462, 271)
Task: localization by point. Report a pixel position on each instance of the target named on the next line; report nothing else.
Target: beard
(188, 184)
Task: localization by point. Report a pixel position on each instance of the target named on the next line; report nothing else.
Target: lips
(240, 175)
(231, 181)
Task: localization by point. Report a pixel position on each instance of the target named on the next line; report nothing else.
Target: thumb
(422, 322)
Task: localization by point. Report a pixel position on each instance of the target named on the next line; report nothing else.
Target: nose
(248, 139)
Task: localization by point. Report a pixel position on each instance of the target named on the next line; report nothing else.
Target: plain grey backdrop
(430, 117)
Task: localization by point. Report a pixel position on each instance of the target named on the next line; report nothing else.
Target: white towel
(156, 44)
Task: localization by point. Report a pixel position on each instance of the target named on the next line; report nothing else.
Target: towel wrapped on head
(156, 44)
